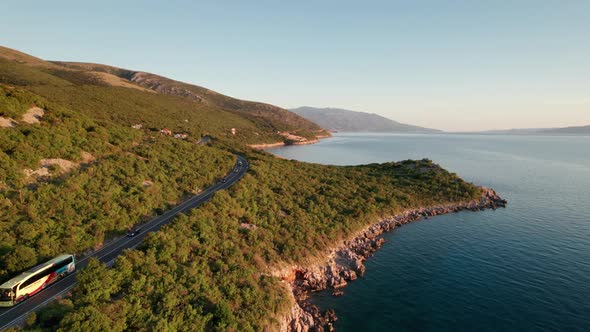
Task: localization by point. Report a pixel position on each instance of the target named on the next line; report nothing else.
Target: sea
(523, 268)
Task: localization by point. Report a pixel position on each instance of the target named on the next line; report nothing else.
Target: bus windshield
(5, 294)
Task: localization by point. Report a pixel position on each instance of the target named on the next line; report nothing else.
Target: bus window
(6, 294)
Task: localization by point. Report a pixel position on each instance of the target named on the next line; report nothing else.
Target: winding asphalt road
(107, 254)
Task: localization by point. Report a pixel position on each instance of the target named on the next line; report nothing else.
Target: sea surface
(523, 268)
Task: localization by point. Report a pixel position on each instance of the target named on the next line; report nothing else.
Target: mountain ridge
(569, 130)
(338, 119)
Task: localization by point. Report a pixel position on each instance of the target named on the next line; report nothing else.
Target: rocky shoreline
(290, 139)
(265, 145)
(345, 262)
(287, 142)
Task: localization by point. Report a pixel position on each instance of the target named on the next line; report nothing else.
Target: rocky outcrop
(290, 139)
(298, 320)
(164, 86)
(266, 145)
(286, 142)
(302, 142)
(306, 317)
(345, 262)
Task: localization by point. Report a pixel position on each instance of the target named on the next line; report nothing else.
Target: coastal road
(107, 254)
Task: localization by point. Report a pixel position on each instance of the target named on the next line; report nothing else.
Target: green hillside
(105, 92)
(207, 273)
(84, 154)
(268, 116)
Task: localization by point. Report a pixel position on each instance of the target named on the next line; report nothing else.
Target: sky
(452, 65)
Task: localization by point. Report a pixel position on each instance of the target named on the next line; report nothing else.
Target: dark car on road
(134, 232)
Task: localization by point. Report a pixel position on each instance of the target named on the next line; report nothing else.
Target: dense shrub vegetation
(132, 174)
(203, 272)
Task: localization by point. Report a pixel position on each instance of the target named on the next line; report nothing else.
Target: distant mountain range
(337, 119)
(578, 130)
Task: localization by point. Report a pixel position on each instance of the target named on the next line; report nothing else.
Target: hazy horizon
(454, 66)
(447, 131)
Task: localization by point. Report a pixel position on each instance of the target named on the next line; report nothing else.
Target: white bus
(34, 280)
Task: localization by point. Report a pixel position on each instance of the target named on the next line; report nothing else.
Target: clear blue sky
(455, 65)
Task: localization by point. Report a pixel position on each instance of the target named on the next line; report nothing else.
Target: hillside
(254, 122)
(75, 173)
(269, 117)
(574, 130)
(90, 139)
(344, 120)
(578, 130)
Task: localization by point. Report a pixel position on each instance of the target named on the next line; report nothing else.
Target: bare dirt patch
(63, 166)
(33, 115)
(40, 172)
(7, 122)
(87, 157)
(248, 226)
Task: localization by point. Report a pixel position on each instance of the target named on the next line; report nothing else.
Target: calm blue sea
(523, 268)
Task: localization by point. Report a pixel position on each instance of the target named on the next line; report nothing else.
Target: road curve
(107, 254)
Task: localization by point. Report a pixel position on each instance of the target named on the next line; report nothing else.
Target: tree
(96, 284)
(20, 258)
